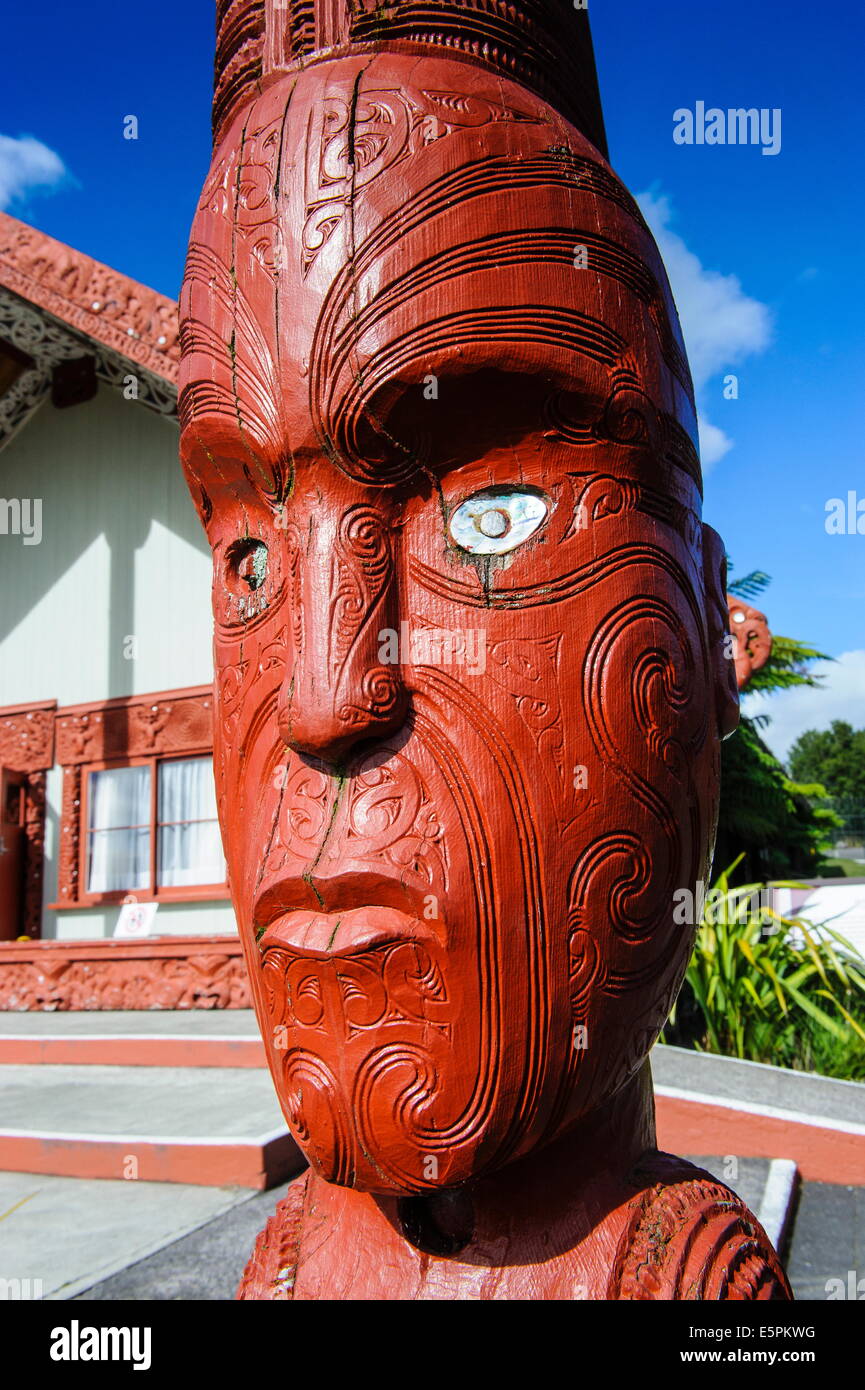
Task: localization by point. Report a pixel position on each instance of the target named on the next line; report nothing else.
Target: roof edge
(91, 298)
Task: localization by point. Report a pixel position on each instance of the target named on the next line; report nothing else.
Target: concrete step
(217, 1128)
(134, 1038)
(751, 1109)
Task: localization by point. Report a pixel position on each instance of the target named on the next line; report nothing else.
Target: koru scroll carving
(472, 674)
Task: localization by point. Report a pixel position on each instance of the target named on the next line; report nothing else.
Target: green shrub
(773, 989)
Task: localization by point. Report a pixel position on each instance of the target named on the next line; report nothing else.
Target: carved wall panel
(180, 973)
(174, 722)
(27, 737)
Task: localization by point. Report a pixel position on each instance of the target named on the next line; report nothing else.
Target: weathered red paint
(413, 278)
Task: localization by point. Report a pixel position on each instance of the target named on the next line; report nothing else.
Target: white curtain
(190, 850)
(119, 824)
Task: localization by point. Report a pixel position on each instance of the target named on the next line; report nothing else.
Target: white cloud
(27, 164)
(721, 324)
(842, 696)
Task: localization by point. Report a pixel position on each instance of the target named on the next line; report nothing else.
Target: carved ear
(721, 648)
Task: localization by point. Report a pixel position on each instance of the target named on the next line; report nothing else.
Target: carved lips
(343, 933)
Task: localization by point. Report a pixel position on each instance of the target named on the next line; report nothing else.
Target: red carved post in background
(471, 673)
(752, 640)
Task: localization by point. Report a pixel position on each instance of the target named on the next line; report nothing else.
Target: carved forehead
(416, 217)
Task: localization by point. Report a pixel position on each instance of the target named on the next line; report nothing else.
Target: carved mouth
(325, 935)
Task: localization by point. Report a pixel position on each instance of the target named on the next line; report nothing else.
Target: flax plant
(763, 981)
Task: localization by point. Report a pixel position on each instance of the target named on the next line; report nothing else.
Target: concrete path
(69, 1233)
(131, 1022)
(827, 1251)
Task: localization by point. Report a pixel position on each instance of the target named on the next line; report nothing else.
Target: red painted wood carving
(752, 640)
(27, 746)
(130, 318)
(469, 633)
(164, 973)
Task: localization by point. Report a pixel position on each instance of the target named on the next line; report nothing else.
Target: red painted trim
(254, 1163)
(143, 1050)
(126, 731)
(182, 692)
(120, 313)
(27, 736)
(143, 948)
(206, 893)
(7, 710)
(822, 1154)
(27, 748)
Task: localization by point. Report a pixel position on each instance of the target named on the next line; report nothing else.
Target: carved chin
(372, 1135)
(363, 1044)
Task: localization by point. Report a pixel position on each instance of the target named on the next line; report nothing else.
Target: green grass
(842, 868)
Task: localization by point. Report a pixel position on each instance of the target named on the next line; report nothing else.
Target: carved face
(438, 422)
(752, 640)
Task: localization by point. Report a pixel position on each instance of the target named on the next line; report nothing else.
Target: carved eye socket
(498, 520)
(246, 566)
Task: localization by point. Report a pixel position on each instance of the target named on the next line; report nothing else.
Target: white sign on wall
(135, 918)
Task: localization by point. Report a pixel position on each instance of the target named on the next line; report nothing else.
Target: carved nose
(342, 690)
(315, 723)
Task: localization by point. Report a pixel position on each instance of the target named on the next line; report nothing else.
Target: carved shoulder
(689, 1237)
(272, 1267)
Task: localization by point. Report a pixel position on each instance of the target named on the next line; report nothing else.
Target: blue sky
(765, 252)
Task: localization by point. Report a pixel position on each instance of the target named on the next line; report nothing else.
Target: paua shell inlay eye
(496, 521)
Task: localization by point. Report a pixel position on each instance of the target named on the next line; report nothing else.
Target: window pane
(119, 830)
(119, 860)
(119, 796)
(190, 849)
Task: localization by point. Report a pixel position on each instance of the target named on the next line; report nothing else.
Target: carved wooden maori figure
(471, 685)
(752, 640)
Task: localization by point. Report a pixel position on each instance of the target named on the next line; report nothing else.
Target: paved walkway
(70, 1233)
(152, 1022)
(108, 1239)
